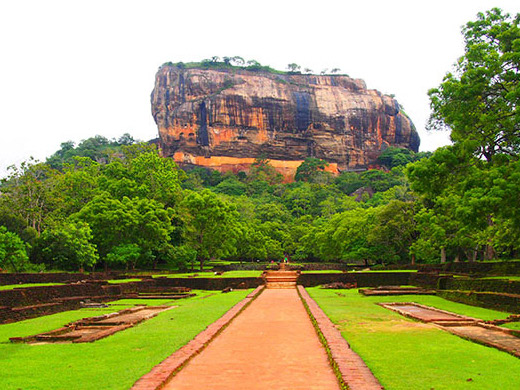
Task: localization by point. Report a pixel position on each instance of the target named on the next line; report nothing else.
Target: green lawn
(512, 325)
(11, 286)
(117, 281)
(325, 271)
(405, 354)
(229, 274)
(388, 270)
(115, 362)
(503, 277)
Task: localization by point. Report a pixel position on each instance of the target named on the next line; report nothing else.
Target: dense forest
(118, 204)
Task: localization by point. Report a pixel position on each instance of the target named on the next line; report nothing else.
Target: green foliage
(396, 157)
(479, 101)
(211, 225)
(124, 254)
(231, 186)
(13, 255)
(97, 148)
(312, 170)
(114, 222)
(262, 171)
(28, 193)
(181, 257)
(66, 246)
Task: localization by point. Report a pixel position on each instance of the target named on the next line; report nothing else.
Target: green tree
(114, 222)
(395, 230)
(13, 255)
(261, 170)
(127, 254)
(480, 101)
(28, 191)
(67, 246)
(294, 68)
(311, 170)
(211, 225)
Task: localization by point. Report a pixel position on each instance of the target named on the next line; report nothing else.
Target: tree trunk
(457, 258)
(443, 255)
(489, 252)
(474, 255)
(413, 259)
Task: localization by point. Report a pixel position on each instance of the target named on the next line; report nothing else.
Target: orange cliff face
(224, 119)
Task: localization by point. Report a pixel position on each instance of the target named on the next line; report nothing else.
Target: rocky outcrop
(224, 119)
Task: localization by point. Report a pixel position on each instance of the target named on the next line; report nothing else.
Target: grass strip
(13, 286)
(228, 274)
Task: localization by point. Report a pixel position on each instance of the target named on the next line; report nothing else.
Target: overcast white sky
(74, 69)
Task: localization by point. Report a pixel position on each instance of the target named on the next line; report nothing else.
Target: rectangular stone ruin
(429, 314)
(91, 329)
(162, 293)
(395, 290)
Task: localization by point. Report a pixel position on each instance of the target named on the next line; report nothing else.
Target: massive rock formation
(224, 119)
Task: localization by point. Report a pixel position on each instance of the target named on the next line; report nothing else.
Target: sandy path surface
(271, 345)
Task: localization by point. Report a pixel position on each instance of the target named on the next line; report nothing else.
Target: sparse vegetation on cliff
(237, 62)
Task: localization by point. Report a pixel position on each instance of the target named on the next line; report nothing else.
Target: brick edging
(350, 368)
(164, 371)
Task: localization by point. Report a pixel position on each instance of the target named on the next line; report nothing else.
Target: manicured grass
(406, 354)
(327, 271)
(512, 325)
(503, 277)
(388, 271)
(229, 274)
(115, 362)
(117, 281)
(11, 286)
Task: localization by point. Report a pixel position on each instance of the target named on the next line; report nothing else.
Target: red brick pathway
(271, 345)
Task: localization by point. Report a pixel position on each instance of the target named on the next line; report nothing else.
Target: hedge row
(489, 285)
(209, 283)
(488, 268)
(362, 279)
(496, 301)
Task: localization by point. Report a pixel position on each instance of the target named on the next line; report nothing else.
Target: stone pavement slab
(490, 337)
(271, 345)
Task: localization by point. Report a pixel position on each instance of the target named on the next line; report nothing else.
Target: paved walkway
(271, 345)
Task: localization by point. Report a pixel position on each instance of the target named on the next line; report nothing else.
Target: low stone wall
(23, 303)
(209, 283)
(301, 267)
(54, 277)
(481, 285)
(362, 279)
(491, 268)
(424, 279)
(497, 301)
